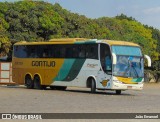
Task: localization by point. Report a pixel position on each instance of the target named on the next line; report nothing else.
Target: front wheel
(93, 86)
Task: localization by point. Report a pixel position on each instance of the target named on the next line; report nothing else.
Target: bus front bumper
(122, 86)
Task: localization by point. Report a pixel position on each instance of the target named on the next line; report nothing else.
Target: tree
(123, 16)
(4, 40)
(40, 21)
(128, 29)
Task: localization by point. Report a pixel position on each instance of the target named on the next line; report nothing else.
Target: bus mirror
(148, 60)
(114, 57)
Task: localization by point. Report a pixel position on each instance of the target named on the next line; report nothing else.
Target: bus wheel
(93, 86)
(29, 82)
(118, 92)
(37, 83)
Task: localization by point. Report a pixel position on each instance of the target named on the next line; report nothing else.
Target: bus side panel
(68, 72)
(78, 73)
(46, 69)
(17, 76)
(90, 68)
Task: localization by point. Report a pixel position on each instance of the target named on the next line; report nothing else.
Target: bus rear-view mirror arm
(148, 60)
(114, 57)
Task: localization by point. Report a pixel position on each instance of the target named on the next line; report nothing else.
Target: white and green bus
(89, 63)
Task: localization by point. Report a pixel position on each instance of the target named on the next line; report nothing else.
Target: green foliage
(127, 29)
(32, 21)
(80, 26)
(156, 36)
(4, 40)
(122, 17)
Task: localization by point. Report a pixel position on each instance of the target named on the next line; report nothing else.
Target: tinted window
(20, 51)
(92, 51)
(57, 51)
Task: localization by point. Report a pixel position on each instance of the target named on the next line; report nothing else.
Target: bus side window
(63, 51)
(92, 51)
(32, 53)
(75, 51)
(68, 52)
(82, 52)
(20, 52)
(45, 53)
(58, 51)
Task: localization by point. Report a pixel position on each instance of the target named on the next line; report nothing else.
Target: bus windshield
(129, 62)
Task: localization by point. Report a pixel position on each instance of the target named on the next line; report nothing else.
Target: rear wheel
(93, 86)
(37, 83)
(29, 82)
(118, 92)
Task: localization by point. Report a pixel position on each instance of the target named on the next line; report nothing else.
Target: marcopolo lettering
(43, 63)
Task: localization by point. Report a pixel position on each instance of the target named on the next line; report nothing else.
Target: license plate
(129, 87)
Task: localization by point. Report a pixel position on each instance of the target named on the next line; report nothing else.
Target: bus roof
(59, 41)
(115, 42)
(68, 39)
(77, 41)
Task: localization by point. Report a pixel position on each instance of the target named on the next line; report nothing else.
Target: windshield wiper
(135, 71)
(129, 69)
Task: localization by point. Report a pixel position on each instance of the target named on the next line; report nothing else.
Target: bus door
(105, 72)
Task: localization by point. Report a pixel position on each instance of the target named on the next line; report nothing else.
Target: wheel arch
(88, 82)
(26, 75)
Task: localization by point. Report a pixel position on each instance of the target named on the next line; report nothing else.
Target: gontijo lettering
(43, 63)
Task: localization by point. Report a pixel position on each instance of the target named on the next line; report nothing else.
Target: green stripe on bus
(90, 42)
(76, 67)
(64, 71)
(137, 79)
(85, 42)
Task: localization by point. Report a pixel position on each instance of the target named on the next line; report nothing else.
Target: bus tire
(93, 86)
(118, 92)
(37, 83)
(29, 82)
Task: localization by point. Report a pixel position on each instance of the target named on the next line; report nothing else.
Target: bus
(78, 62)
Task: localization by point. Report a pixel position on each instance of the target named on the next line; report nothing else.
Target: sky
(145, 11)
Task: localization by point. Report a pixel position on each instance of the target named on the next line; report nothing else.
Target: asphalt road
(18, 99)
